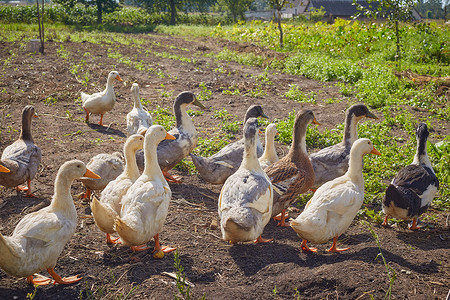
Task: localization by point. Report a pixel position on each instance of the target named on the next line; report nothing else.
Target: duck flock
(257, 185)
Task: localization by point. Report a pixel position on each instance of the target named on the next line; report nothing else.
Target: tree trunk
(40, 18)
(279, 28)
(99, 12)
(42, 27)
(173, 12)
(397, 35)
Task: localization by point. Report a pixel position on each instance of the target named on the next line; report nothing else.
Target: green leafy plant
(30, 296)
(390, 272)
(182, 286)
(205, 93)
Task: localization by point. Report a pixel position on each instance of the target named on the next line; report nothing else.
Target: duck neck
(131, 169)
(62, 199)
(25, 133)
(350, 129)
(152, 168)
(110, 86)
(250, 158)
(269, 149)
(299, 141)
(184, 122)
(137, 101)
(355, 167)
(421, 156)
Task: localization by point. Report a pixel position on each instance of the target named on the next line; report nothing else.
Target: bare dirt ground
(216, 269)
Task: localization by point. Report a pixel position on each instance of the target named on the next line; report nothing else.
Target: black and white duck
(413, 188)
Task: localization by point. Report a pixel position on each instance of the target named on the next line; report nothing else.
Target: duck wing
(41, 228)
(286, 177)
(408, 189)
(330, 163)
(416, 177)
(245, 189)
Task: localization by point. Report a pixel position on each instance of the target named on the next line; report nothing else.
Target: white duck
(107, 166)
(101, 102)
(332, 162)
(171, 152)
(40, 237)
(146, 204)
(22, 157)
(108, 208)
(270, 152)
(218, 167)
(413, 188)
(138, 117)
(245, 201)
(335, 204)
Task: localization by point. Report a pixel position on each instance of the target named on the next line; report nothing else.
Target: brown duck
(293, 174)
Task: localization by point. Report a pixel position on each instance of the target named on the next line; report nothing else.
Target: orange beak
(118, 78)
(375, 151)
(4, 169)
(170, 137)
(315, 122)
(259, 131)
(91, 174)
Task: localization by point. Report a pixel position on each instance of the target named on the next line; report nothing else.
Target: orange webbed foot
(68, 280)
(40, 280)
(65, 280)
(305, 247)
(334, 248)
(167, 249)
(385, 222)
(139, 248)
(416, 225)
(112, 241)
(172, 178)
(280, 216)
(261, 240)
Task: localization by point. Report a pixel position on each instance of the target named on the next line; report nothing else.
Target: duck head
(114, 75)
(254, 111)
(271, 131)
(187, 98)
(75, 169)
(364, 146)
(360, 111)
(135, 142)
(155, 134)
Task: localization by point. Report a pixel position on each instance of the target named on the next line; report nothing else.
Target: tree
(394, 11)
(278, 5)
(174, 6)
(236, 8)
(40, 17)
(103, 6)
